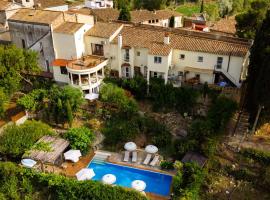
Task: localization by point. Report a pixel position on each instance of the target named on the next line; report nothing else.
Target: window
(97, 49)
(198, 76)
(27, 0)
(126, 56)
(200, 59)
(63, 70)
(149, 21)
(156, 20)
(138, 53)
(219, 62)
(157, 59)
(23, 44)
(182, 56)
(155, 74)
(153, 21)
(127, 72)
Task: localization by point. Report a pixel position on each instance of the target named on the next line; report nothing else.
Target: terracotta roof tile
(68, 27)
(36, 16)
(4, 4)
(137, 16)
(104, 30)
(136, 36)
(50, 3)
(225, 25)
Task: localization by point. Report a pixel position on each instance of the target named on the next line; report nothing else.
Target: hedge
(20, 183)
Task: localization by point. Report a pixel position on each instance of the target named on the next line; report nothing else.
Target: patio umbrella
(85, 174)
(151, 149)
(138, 185)
(109, 179)
(29, 163)
(130, 146)
(91, 96)
(73, 155)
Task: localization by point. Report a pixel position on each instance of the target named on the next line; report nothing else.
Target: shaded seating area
(53, 154)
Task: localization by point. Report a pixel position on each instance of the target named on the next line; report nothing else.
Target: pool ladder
(99, 159)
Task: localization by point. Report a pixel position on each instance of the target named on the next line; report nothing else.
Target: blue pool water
(155, 182)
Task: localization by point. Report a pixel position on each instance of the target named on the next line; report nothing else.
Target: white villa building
(80, 51)
(98, 4)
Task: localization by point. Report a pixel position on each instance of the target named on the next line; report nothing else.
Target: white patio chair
(134, 156)
(154, 161)
(126, 157)
(147, 159)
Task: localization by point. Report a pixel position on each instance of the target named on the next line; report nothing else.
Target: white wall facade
(58, 8)
(70, 46)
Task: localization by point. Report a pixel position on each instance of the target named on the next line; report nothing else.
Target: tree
(250, 21)
(118, 98)
(259, 70)
(80, 138)
(225, 7)
(69, 113)
(59, 103)
(14, 63)
(124, 14)
(202, 7)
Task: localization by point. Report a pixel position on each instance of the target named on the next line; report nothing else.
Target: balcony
(87, 64)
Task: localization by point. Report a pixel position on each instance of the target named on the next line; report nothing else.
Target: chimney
(166, 38)
(120, 41)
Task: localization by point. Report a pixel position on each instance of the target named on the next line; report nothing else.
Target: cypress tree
(258, 88)
(69, 113)
(202, 7)
(124, 14)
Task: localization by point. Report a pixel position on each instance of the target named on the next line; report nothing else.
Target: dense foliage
(119, 98)
(250, 21)
(259, 71)
(19, 183)
(187, 182)
(15, 140)
(80, 138)
(204, 134)
(14, 63)
(58, 104)
(124, 14)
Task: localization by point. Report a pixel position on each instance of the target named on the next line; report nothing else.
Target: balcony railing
(126, 58)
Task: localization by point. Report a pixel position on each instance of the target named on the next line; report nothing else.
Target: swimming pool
(155, 182)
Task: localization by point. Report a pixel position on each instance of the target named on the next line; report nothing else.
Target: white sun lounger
(147, 159)
(126, 157)
(154, 161)
(134, 156)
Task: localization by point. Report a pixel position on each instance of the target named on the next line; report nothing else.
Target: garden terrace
(54, 155)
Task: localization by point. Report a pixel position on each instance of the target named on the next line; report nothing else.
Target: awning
(60, 62)
(199, 70)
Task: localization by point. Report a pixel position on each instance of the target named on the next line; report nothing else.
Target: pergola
(54, 156)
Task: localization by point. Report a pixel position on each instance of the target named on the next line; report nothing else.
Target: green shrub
(188, 181)
(262, 157)
(80, 138)
(116, 96)
(20, 183)
(119, 130)
(166, 164)
(15, 140)
(137, 86)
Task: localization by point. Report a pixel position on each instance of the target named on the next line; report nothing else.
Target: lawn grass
(188, 9)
